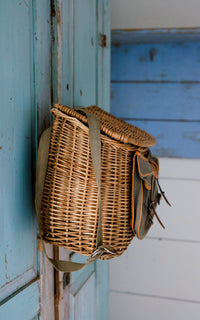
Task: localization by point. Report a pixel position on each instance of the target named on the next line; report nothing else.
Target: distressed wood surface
(120, 37)
(80, 308)
(23, 305)
(174, 139)
(18, 263)
(81, 73)
(85, 50)
(177, 61)
(157, 101)
(103, 55)
(42, 44)
(156, 87)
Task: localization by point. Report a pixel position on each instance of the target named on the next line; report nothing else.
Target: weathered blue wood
(42, 42)
(80, 277)
(85, 52)
(103, 55)
(67, 18)
(174, 139)
(174, 101)
(155, 35)
(159, 84)
(82, 305)
(88, 65)
(18, 263)
(102, 285)
(42, 65)
(22, 306)
(18, 225)
(158, 62)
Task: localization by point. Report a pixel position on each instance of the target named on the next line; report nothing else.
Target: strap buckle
(101, 250)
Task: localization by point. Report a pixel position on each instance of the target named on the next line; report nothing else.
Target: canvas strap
(42, 160)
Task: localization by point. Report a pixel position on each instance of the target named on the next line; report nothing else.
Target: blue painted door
(49, 51)
(19, 292)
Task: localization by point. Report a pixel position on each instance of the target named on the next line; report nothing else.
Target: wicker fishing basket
(69, 206)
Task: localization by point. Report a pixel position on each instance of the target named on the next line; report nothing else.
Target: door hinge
(103, 40)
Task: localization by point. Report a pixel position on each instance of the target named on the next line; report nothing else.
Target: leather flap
(145, 171)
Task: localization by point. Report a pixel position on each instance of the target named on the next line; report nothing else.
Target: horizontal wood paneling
(163, 35)
(158, 268)
(182, 220)
(130, 307)
(179, 169)
(179, 61)
(171, 101)
(173, 139)
(152, 83)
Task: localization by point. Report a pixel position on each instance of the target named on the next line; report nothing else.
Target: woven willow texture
(69, 208)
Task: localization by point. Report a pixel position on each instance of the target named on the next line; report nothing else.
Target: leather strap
(95, 147)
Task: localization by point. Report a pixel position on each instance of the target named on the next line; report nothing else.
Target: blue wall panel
(157, 62)
(156, 101)
(156, 86)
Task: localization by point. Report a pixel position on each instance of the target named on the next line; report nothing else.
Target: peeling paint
(142, 59)
(193, 136)
(152, 53)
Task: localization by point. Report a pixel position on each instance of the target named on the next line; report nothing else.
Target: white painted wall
(159, 277)
(145, 14)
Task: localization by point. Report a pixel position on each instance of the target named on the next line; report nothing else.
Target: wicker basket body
(69, 208)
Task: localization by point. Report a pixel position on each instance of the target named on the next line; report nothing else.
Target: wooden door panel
(85, 53)
(82, 304)
(22, 306)
(18, 263)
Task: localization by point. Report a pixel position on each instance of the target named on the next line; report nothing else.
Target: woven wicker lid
(112, 126)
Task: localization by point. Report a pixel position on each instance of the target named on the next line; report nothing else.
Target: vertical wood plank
(43, 100)
(85, 44)
(67, 16)
(103, 55)
(18, 223)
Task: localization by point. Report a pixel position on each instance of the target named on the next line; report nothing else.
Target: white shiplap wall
(158, 278)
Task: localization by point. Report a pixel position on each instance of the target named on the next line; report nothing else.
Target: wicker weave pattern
(69, 209)
(114, 127)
